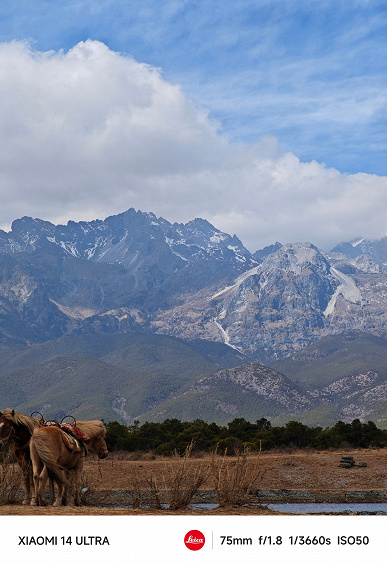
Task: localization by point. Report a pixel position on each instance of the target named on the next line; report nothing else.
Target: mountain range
(134, 274)
(135, 376)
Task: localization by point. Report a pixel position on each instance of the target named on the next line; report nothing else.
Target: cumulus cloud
(90, 132)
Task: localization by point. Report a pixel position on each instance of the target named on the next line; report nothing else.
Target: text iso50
(353, 540)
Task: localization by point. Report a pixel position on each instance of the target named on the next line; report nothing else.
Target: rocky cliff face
(137, 271)
(251, 391)
(119, 270)
(296, 296)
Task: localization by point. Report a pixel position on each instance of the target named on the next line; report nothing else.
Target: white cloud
(90, 132)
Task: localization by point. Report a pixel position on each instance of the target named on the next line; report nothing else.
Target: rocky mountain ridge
(135, 271)
(375, 249)
(151, 377)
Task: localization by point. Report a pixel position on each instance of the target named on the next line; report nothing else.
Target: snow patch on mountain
(226, 337)
(237, 283)
(347, 289)
(356, 243)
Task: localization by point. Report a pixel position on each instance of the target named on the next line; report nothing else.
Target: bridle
(97, 446)
(12, 435)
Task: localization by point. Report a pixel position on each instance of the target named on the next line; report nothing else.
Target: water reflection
(330, 507)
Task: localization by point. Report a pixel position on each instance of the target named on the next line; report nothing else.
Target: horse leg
(68, 490)
(37, 468)
(77, 482)
(51, 490)
(34, 501)
(41, 494)
(65, 495)
(27, 477)
(61, 494)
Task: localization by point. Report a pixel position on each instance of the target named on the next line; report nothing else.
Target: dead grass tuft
(235, 481)
(11, 481)
(185, 480)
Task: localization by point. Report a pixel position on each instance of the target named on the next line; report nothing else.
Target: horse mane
(21, 419)
(92, 428)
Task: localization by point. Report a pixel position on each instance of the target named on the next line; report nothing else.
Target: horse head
(96, 431)
(98, 445)
(6, 429)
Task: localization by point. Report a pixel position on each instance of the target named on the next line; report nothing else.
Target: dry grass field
(164, 485)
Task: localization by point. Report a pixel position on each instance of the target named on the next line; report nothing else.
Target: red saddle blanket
(70, 429)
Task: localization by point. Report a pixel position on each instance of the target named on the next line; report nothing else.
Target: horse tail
(49, 460)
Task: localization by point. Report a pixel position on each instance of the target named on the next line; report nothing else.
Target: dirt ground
(300, 470)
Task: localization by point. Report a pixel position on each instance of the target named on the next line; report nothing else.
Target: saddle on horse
(71, 442)
(73, 438)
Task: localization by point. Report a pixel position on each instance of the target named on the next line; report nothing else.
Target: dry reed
(235, 481)
(10, 481)
(185, 480)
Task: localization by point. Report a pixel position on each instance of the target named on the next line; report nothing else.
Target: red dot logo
(194, 540)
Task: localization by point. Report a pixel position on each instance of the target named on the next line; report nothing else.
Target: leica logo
(194, 540)
(191, 539)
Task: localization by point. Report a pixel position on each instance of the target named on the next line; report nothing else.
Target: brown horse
(19, 428)
(54, 455)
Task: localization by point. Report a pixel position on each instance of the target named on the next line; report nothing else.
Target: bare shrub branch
(154, 492)
(185, 479)
(235, 481)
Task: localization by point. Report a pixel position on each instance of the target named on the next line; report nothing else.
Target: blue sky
(306, 80)
(311, 73)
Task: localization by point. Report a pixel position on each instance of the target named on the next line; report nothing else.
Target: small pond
(316, 507)
(330, 507)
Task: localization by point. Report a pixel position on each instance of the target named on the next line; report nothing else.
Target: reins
(8, 438)
(22, 447)
(12, 436)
